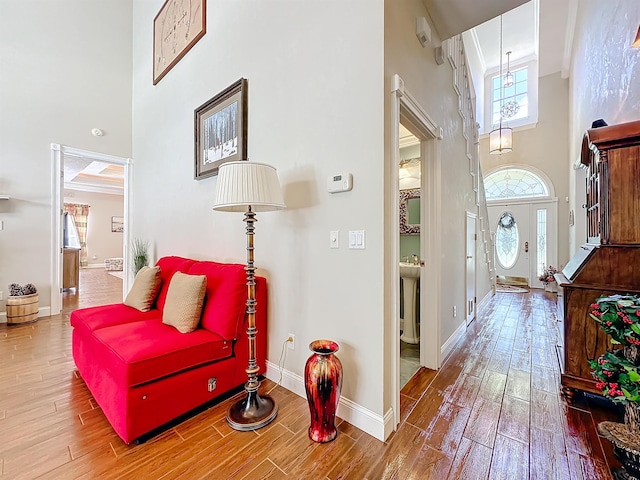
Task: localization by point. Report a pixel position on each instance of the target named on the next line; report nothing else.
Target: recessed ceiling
(93, 176)
(407, 138)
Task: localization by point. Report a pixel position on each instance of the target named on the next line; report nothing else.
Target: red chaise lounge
(144, 373)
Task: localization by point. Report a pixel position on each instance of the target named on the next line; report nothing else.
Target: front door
(514, 245)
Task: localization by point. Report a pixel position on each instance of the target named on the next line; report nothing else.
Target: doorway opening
(410, 184)
(523, 214)
(407, 111)
(90, 213)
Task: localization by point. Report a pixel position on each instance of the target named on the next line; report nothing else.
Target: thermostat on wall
(339, 183)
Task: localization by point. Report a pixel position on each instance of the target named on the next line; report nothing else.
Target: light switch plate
(334, 239)
(356, 239)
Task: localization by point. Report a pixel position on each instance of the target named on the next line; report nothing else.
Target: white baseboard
(482, 303)
(42, 312)
(447, 346)
(357, 415)
(95, 265)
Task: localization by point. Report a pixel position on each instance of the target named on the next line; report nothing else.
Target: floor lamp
(249, 187)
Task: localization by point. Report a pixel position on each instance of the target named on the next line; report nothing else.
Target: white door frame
(405, 109)
(58, 152)
(552, 230)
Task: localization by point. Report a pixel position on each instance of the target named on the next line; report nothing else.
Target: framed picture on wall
(177, 27)
(117, 224)
(221, 130)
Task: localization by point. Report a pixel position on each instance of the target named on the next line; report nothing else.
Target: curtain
(80, 214)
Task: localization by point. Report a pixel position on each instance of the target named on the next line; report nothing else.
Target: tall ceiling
(521, 24)
(452, 17)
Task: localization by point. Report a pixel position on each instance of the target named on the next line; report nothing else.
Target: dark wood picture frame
(176, 28)
(220, 130)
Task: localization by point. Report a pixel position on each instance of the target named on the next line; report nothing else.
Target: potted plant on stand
(547, 278)
(618, 375)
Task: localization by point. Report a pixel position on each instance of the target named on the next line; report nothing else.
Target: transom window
(514, 183)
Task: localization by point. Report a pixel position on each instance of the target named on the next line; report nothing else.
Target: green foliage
(139, 254)
(618, 316)
(618, 376)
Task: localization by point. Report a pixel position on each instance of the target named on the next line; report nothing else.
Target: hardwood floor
(492, 412)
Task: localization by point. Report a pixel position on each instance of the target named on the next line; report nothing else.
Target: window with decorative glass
(514, 183)
(512, 102)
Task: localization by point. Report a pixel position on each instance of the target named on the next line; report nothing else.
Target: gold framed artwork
(221, 130)
(177, 27)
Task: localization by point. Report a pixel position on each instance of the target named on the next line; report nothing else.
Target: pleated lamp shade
(245, 183)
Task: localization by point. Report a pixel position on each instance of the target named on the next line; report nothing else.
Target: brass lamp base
(252, 412)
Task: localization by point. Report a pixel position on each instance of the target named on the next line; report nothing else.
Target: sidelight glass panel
(542, 240)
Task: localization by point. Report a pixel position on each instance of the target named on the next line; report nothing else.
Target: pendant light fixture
(508, 78)
(501, 138)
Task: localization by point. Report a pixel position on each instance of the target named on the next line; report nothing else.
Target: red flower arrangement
(618, 316)
(547, 274)
(618, 376)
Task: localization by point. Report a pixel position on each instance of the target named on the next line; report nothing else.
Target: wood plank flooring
(492, 412)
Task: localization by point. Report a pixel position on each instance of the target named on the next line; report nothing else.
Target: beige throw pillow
(184, 301)
(145, 288)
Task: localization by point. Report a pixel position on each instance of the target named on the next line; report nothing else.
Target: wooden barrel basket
(22, 309)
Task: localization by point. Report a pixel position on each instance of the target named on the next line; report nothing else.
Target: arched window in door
(514, 183)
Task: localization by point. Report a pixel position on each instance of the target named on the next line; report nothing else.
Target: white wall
(544, 147)
(65, 68)
(101, 241)
(605, 75)
(432, 86)
(315, 75)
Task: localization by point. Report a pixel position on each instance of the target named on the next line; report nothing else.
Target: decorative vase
(551, 287)
(323, 382)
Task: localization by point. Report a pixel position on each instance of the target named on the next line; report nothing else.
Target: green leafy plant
(618, 316)
(617, 372)
(618, 378)
(139, 254)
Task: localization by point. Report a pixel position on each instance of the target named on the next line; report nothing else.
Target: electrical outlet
(455, 311)
(291, 341)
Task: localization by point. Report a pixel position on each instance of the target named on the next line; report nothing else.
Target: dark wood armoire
(609, 262)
